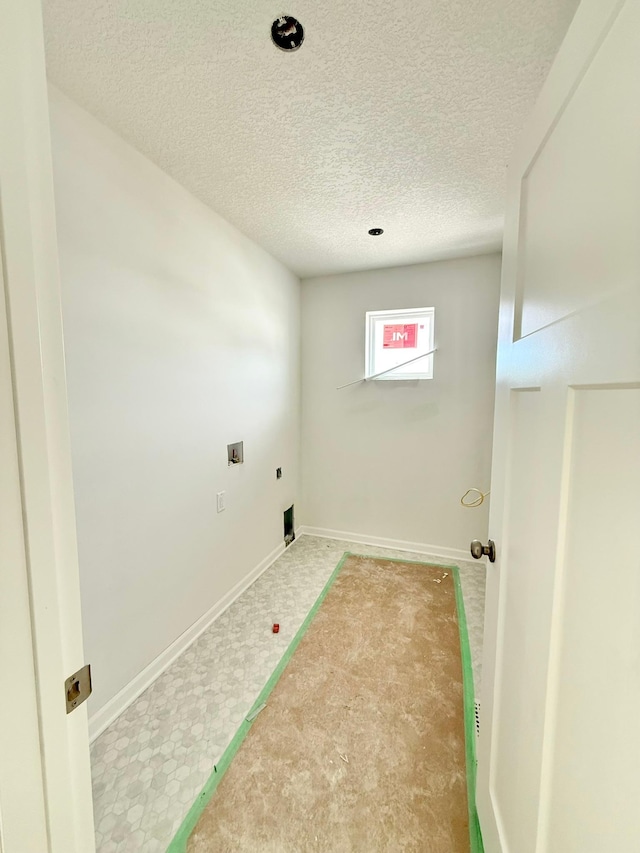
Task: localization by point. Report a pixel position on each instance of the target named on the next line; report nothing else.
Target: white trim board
(395, 544)
(109, 712)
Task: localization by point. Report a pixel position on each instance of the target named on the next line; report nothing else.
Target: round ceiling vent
(287, 33)
(376, 232)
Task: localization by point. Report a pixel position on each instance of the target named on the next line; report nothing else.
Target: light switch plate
(221, 501)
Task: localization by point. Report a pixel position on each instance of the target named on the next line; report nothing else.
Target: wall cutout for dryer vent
(235, 453)
(289, 533)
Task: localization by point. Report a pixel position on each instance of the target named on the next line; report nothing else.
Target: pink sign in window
(400, 336)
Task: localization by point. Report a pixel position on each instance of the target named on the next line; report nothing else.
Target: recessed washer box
(235, 453)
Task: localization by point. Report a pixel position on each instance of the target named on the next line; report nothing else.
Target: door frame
(38, 550)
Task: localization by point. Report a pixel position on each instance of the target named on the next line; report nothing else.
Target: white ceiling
(395, 114)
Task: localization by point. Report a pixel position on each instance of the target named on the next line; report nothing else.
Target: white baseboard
(103, 718)
(109, 712)
(396, 544)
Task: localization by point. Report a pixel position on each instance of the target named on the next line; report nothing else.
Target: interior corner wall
(181, 336)
(385, 459)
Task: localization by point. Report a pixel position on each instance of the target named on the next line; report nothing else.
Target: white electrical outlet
(221, 501)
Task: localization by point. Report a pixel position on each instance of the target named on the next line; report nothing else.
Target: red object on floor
(276, 627)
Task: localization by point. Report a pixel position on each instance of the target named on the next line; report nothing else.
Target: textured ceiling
(395, 114)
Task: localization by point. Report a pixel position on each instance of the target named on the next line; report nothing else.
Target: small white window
(394, 338)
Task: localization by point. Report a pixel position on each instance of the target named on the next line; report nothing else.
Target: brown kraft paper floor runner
(361, 745)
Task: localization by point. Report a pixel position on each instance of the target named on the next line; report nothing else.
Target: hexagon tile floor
(151, 763)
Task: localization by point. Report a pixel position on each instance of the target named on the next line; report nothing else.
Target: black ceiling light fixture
(287, 33)
(376, 232)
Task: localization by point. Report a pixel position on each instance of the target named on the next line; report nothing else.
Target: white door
(45, 784)
(559, 752)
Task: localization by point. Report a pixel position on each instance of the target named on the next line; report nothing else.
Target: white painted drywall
(181, 336)
(392, 459)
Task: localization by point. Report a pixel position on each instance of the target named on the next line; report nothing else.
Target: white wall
(392, 459)
(181, 336)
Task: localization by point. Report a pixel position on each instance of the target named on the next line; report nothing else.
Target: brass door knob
(479, 550)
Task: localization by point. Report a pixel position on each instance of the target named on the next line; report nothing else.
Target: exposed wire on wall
(388, 370)
(476, 501)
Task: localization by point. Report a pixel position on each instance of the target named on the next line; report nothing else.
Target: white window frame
(400, 315)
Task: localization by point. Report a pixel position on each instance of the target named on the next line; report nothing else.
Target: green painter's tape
(179, 843)
(475, 835)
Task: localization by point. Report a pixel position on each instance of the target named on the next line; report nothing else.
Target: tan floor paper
(361, 745)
